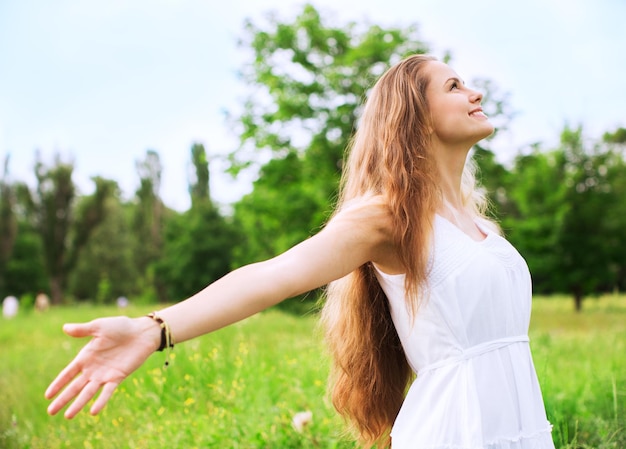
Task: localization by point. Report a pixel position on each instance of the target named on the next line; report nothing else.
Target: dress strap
(475, 351)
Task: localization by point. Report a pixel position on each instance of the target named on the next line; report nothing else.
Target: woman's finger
(103, 398)
(64, 377)
(85, 395)
(68, 394)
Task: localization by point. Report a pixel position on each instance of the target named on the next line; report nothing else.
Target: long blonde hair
(389, 156)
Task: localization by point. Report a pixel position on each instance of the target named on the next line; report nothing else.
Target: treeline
(564, 208)
(99, 247)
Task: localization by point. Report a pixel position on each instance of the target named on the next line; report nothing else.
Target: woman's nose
(476, 97)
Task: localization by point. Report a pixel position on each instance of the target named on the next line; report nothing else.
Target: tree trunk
(578, 301)
(56, 290)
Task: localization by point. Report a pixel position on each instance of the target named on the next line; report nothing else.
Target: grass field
(241, 387)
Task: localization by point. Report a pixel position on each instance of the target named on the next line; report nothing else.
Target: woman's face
(457, 118)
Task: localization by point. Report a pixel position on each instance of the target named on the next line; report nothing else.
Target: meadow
(241, 386)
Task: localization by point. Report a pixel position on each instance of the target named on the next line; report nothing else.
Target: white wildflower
(301, 420)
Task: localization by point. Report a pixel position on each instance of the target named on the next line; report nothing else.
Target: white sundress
(476, 386)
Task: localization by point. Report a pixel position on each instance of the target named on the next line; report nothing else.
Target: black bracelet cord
(167, 341)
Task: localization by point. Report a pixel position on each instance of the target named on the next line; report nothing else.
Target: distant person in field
(10, 306)
(424, 294)
(42, 302)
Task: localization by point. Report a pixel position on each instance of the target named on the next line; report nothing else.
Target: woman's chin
(488, 130)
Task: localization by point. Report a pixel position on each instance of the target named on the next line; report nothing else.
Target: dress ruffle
(538, 440)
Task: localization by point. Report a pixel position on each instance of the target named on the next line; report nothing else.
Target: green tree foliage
(107, 258)
(64, 231)
(198, 244)
(308, 80)
(536, 210)
(24, 270)
(89, 212)
(54, 195)
(616, 137)
(565, 216)
(196, 251)
(616, 177)
(148, 221)
(277, 213)
(586, 238)
(199, 183)
(8, 224)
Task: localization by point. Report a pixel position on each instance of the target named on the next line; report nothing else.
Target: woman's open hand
(118, 347)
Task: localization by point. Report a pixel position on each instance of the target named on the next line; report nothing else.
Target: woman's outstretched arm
(120, 345)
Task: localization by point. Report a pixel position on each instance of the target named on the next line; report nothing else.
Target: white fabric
(476, 386)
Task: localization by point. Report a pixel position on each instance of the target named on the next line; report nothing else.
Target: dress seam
(522, 436)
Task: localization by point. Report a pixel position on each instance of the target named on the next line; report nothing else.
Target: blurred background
(128, 128)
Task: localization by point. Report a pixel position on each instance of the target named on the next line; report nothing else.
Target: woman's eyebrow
(454, 78)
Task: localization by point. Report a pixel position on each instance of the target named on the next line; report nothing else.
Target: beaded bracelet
(167, 340)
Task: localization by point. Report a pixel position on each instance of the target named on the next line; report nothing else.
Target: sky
(100, 83)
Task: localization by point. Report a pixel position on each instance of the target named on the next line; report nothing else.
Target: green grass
(241, 386)
(581, 363)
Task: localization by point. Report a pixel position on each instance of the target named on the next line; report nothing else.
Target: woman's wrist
(166, 339)
(150, 331)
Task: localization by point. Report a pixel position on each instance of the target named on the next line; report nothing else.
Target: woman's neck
(451, 169)
(450, 161)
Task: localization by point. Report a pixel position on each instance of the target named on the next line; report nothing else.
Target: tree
(616, 176)
(276, 214)
(199, 183)
(55, 193)
(198, 244)
(196, 251)
(307, 80)
(89, 213)
(8, 224)
(616, 137)
(24, 269)
(586, 238)
(25, 272)
(105, 269)
(64, 233)
(564, 216)
(148, 221)
(536, 209)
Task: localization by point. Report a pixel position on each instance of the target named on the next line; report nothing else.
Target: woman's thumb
(79, 329)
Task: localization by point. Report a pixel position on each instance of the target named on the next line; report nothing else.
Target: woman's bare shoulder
(366, 214)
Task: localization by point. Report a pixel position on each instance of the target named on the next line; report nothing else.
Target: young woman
(423, 290)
